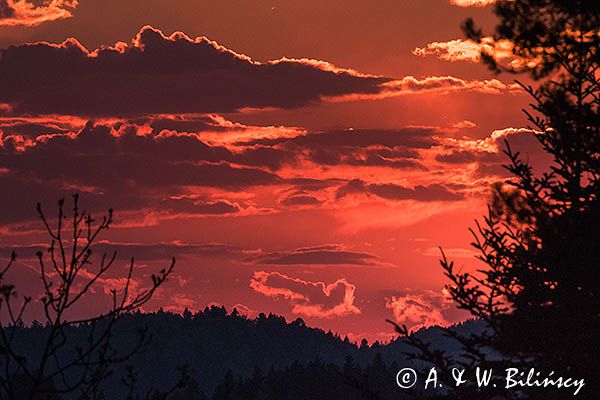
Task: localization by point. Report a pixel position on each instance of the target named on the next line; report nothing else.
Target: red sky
(304, 158)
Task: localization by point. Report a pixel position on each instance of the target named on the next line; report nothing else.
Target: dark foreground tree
(65, 366)
(540, 290)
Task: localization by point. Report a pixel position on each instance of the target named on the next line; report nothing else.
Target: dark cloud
(270, 157)
(414, 137)
(191, 164)
(129, 171)
(495, 169)
(6, 11)
(489, 153)
(32, 129)
(140, 251)
(95, 157)
(300, 199)
(329, 255)
(396, 192)
(409, 137)
(159, 74)
(22, 192)
(372, 157)
(392, 148)
(393, 158)
(152, 162)
(179, 123)
(463, 157)
(191, 206)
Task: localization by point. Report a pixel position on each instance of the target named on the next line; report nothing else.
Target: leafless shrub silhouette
(63, 367)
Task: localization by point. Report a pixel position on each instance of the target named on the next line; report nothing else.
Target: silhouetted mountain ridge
(214, 342)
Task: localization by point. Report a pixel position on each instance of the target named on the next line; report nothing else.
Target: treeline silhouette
(230, 356)
(317, 380)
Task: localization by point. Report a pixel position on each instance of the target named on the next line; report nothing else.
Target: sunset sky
(305, 158)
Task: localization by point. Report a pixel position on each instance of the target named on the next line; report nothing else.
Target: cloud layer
(176, 74)
(195, 165)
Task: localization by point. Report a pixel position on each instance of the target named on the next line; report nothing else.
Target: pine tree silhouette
(540, 291)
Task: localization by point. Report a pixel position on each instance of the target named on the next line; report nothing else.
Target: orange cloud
(25, 13)
(392, 191)
(5, 108)
(446, 84)
(490, 144)
(307, 298)
(431, 84)
(466, 49)
(466, 124)
(455, 252)
(417, 310)
(472, 3)
(470, 51)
